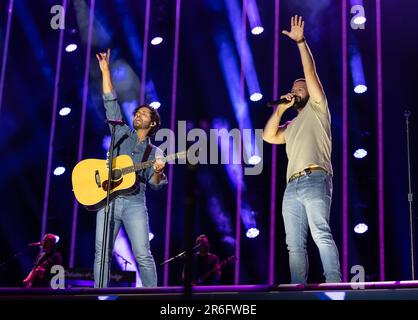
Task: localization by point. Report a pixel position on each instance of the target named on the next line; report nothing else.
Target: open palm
(296, 30)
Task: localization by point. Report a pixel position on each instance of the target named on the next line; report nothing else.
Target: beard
(141, 125)
(300, 103)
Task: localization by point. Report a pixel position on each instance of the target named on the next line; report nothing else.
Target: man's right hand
(284, 106)
(104, 59)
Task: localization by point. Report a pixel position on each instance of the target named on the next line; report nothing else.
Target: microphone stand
(407, 114)
(126, 262)
(180, 255)
(113, 124)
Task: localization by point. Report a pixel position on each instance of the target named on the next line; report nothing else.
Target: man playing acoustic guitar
(40, 275)
(130, 209)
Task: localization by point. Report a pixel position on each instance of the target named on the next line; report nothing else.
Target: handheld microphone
(34, 244)
(280, 101)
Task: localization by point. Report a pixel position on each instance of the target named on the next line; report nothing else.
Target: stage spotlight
(64, 111)
(254, 160)
(361, 228)
(156, 41)
(71, 47)
(151, 236)
(359, 20)
(360, 88)
(257, 30)
(57, 238)
(256, 96)
(59, 171)
(155, 104)
(360, 153)
(252, 233)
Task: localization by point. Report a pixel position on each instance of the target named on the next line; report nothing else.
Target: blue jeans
(307, 202)
(134, 216)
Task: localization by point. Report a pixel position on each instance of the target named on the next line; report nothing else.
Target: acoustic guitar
(90, 178)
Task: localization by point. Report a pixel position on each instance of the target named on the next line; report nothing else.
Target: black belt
(304, 172)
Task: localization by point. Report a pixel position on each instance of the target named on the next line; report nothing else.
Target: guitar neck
(149, 163)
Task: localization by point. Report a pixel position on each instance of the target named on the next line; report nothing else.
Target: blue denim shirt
(127, 142)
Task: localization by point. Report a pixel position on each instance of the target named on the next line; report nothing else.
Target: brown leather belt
(304, 172)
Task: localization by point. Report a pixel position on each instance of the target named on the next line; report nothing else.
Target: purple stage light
(257, 30)
(360, 88)
(357, 71)
(64, 111)
(254, 160)
(252, 233)
(106, 143)
(59, 171)
(156, 41)
(256, 96)
(359, 20)
(361, 228)
(155, 104)
(71, 47)
(360, 153)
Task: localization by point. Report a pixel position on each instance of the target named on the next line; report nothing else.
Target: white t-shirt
(308, 138)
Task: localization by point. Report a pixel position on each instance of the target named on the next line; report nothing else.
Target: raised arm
(104, 61)
(111, 104)
(316, 92)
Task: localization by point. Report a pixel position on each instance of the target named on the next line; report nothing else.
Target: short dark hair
(299, 79)
(201, 237)
(155, 117)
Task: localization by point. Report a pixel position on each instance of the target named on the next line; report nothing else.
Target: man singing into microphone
(307, 198)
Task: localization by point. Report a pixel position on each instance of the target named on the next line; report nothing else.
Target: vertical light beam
(380, 139)
(52, 129)
(145, 52)
(272, 270)
(82, 126)
(5, 49)
(345, 142)
(171, 146)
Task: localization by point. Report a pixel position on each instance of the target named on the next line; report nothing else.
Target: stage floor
(389, 290)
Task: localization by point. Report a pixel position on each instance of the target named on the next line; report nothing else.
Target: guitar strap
(145, 157)
(147, 153)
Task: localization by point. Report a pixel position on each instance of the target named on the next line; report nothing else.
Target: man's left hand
(296, 30)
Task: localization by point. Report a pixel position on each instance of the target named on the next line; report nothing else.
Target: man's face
(48, 244)
(300, 91)
(204, 244)
(142, 119)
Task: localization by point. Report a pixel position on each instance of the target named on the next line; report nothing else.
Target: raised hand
(296, 30)
(104, 59)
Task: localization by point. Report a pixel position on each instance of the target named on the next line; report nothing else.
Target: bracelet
(301, 40)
